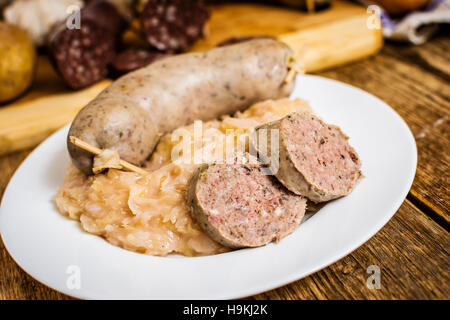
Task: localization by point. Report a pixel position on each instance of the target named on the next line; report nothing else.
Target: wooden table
(412, 250)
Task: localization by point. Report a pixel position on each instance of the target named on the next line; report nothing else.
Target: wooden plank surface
(412, 252)
(412, 249)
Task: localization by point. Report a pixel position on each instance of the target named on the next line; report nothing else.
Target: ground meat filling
(246, 206)
(321, 152)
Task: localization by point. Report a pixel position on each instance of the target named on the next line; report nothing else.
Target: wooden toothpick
(90, 148)
(290, 75)
(295, 66)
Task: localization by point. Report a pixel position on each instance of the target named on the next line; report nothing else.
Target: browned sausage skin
(132, 113)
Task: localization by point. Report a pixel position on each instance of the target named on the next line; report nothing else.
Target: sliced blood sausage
(133, 58)
(173, 25)
(316, 160)
(106, 15)
(238, 205)
(81, 56)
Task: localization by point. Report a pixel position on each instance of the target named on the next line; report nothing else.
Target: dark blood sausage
(239, 206)
(81, 56)
(173, 25)
(134, 58)
(106, 15)
(316, 160)
(135, 110)
(235, 40)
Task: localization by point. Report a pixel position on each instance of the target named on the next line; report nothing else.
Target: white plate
(53, 248)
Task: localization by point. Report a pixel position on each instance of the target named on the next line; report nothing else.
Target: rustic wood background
(412, 250)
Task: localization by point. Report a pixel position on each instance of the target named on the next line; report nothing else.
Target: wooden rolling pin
(322, 40)
(318, 49)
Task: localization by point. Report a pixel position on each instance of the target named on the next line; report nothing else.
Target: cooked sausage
(238, 205)
(315, 158)
(106, 15)
(173, 25)
(81, 56)
(134, 111)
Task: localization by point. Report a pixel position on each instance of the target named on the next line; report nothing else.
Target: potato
(17, 62)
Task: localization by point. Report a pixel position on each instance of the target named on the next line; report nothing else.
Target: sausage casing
(134, 111)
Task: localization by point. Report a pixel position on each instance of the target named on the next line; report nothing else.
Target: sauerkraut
(149, 214)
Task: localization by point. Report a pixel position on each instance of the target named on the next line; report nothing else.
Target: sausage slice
(239, 206)
(316, 160)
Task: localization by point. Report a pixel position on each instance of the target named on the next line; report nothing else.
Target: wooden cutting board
(321, 40)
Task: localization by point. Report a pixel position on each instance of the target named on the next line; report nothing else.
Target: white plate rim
(286, 279)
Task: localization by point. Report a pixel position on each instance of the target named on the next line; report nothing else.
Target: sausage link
(134, 111)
